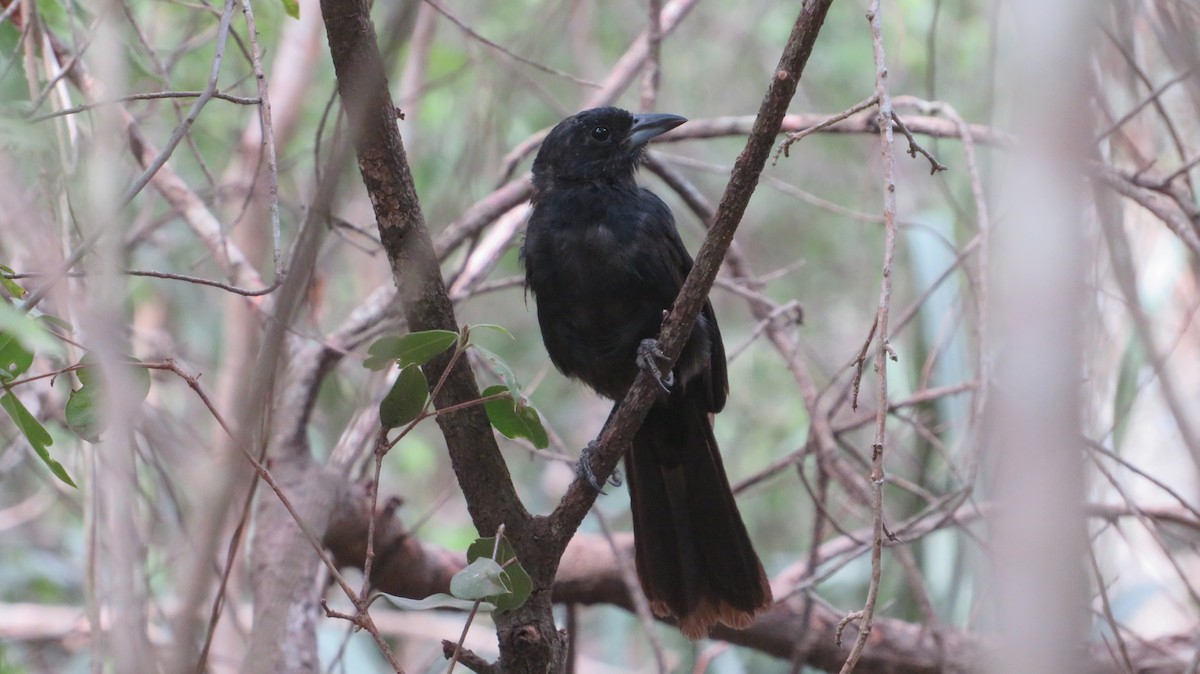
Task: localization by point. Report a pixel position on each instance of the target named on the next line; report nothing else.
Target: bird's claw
(649, 352)
(584, 470)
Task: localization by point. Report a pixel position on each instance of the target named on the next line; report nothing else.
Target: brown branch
(794, 136)
(590, 575)
(491, 207)
(653, 70)
(913, 148)
(860, 123)
(481, 214)
(267, 135)
(148, 96)
(362, 85)
(886, 115)
(527, 635)
(1162, 208)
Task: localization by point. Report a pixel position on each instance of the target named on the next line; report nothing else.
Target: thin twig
(861, 360)
(149, 96)
(503, 50)
(1152, 98)
(247, 292)
(1182, 170)
(619, 78)
(458, 648)
(653, 70)
(867, 615)
(268, 139)
(641, 605)
(913, 148)
(794, 136)
(1108, 612)
(182, 130)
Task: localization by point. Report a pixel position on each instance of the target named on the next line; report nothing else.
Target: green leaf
(28, 331)
(515, 421)
(84, 415)
(292, 7)
(489, 326)
(506, 374)
(39, 438)
(407, 398)
(10, 285)
(14, 357)
(85, 408)
(415, 348)
(439, 600)
(513, 575)
(1133, 361)
(481, 579)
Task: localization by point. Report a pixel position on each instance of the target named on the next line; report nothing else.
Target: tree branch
(363, 87)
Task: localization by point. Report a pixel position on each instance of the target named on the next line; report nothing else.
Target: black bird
(604, 261)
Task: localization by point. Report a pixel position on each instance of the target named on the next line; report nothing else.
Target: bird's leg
(648, 354)
(584, 469)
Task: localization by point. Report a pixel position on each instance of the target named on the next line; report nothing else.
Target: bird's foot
(648, 354)
(584, 469)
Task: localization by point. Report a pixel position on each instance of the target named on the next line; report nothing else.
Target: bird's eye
(600, 134)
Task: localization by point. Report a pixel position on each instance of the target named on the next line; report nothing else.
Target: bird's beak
(646, 127)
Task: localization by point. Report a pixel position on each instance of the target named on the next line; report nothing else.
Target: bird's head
(597, 145)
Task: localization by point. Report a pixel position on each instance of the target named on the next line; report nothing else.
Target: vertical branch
(883, 348)
(1033, 419)
(268, 137)
(119, 579)
(653, 71)
(383, 164)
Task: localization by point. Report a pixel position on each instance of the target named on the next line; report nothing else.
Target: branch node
(468, 658)
(935, 166)
(843, 623)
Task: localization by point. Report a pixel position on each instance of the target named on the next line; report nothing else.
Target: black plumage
(604, 261)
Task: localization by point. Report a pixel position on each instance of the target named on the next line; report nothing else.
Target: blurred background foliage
(813, 229)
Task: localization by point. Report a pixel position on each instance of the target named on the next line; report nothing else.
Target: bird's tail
(694, 557)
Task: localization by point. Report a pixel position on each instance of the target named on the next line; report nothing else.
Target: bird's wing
(662, 237)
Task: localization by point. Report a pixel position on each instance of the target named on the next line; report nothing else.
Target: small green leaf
(39, 438)
(15, 359)
(84, 416)
(515, 421)
(407, 398)
(490, 326)
(28, 331)
(506, 374)
(10, 285)
(292, 7)
(481, 579)
(85, 410)
(439, 600)
(515, 578)
(415, 348)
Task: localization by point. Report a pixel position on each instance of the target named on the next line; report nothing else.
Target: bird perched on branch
(604, 262)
